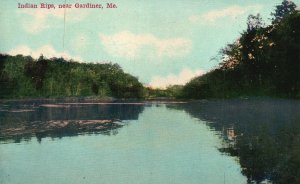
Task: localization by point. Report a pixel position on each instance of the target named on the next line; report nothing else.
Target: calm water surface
(233, 141)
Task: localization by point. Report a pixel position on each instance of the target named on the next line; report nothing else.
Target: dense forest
(263, 61)
(23, 76)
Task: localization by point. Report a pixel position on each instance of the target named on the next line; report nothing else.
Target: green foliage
(5, 82)
(287, 7)
(22, 76)
(173, 91)
(36, 70)
(264, 61)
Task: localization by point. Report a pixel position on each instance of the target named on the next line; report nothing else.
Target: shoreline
(91, 99)
(112, 100)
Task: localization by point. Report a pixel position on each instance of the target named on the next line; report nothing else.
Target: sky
(160, 42)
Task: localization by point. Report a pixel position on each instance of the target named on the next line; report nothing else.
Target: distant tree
(287, 7)
(6, 85)
(36, 70)
(254, 22)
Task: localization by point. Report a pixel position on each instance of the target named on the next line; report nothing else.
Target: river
(216, 141)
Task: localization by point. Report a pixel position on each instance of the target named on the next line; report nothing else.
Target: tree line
(22, 76)
(263, 61)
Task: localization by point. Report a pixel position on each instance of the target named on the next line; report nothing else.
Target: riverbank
(92, 99)
(60, 99)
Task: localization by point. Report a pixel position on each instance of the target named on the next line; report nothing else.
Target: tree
(287, 7)
(36, 70)
(254, 22)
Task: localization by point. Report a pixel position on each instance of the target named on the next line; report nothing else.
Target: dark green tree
(37, 71)
(287, 7)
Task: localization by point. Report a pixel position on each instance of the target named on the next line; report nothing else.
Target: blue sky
(161, 43)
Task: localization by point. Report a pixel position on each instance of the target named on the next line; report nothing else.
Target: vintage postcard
(149, 91)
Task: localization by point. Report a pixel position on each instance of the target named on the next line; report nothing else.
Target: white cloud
(128, 45)
(182, 78)
(232, 11)
(47, 50)
(38, 20)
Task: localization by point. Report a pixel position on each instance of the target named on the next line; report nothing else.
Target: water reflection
(163, 146)
(22, 120)
(263, 133)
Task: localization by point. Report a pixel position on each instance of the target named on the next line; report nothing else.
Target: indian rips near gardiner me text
(76, 5)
